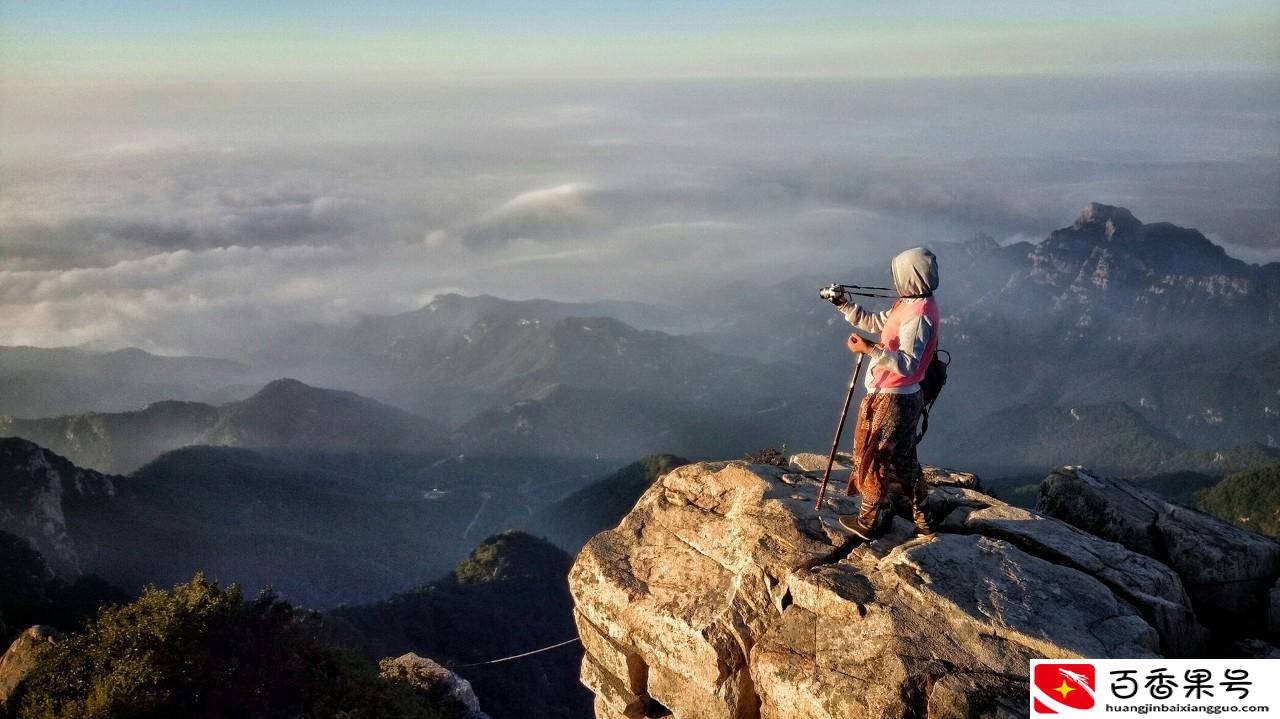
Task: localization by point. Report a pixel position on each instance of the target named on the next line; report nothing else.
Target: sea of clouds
(204, 218)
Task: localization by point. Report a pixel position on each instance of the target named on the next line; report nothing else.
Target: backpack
(935, 376)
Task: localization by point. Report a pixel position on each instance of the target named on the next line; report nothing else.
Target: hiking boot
(920, 515)
(854, 524)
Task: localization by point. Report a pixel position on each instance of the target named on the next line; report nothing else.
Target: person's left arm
(913, 338)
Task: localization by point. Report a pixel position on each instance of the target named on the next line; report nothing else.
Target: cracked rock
(725, 594)
(1229, 572)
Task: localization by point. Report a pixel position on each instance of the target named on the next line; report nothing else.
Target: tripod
(835, 443)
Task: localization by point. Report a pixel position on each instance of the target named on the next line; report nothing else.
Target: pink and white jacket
(908, 331)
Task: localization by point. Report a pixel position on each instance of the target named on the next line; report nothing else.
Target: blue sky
(140, 40)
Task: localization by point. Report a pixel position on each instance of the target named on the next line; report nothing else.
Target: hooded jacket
(908, 331)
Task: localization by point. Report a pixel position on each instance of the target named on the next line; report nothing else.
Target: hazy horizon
(237, 40)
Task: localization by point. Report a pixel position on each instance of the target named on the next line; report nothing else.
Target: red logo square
(1062, 686)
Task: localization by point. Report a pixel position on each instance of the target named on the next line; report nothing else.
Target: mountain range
(459, 355)
(284, 414)
(320, 528)
(1089, 346)
(1107, 311)
(42, 382)
(1118, 310)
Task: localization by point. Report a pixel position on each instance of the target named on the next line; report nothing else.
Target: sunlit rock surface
(724, 594)
(18, 661)
(440, 686)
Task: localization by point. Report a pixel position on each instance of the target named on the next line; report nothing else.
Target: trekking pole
(835, 443)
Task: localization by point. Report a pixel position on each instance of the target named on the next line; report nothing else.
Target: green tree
(1249, 499)
(200, 651)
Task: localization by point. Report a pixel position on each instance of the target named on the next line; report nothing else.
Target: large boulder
(1229, 572)
(1151, 587)
(441, 687)
(16, 663)
(724, 594)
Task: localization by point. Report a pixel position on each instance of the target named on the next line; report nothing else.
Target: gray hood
(915, 272)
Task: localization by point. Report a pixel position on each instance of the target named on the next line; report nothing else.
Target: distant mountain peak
(289, 390)
(1107, 247)
(283, 385)
(287, 413)
(1107, 219)
(980, 244)
(512, 555)
(17, 446)
(452, 299)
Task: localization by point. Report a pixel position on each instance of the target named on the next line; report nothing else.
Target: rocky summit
(724, 595)
(1233, 576)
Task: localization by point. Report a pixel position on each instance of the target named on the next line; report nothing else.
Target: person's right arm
(862, 319)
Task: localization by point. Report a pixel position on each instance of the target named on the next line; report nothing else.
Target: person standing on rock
(884, 449)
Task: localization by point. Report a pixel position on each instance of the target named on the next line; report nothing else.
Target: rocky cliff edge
(724, 595)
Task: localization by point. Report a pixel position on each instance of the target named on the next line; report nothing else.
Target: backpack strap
(924, 411)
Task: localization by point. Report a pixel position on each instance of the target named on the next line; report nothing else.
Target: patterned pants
(884, 451)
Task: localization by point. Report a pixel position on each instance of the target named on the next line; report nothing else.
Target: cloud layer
(203, 219)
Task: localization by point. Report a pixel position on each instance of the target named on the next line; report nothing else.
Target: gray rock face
(1256, 649)
(440, 686)
(724, 594)
(39, 492)
(16, 663)
(1230, 573)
